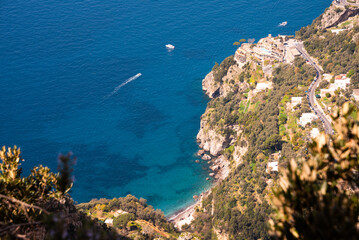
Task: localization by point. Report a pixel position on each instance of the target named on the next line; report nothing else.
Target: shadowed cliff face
(335, 15)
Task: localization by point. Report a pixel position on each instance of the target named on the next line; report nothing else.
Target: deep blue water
(60, 59)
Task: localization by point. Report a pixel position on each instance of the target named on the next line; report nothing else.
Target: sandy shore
(186, 215)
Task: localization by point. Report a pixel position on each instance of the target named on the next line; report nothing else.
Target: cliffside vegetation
(319, 200)
(39, 206)
(219, 71)
(315, 196)
(130, 213)
(239, 205)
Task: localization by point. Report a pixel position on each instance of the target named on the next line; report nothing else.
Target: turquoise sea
(62, 64)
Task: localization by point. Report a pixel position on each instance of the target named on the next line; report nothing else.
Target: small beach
(186, 214)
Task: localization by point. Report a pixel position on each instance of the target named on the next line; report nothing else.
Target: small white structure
(272, 167)
(119, 212)
(307, 118)
(109, 221)
(262, 86)
(295, 101)
(336, 31)
(314, 132)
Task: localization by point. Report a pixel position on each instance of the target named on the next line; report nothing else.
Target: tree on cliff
(319, 200)
(38, 206)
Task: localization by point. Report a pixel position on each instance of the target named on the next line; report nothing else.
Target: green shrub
(122, 220)
(219, 71)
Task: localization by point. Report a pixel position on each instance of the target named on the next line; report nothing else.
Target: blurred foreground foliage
(38, 206)
(319, 200)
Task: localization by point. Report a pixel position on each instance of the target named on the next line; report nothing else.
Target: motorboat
(170, 46)
(283, 24)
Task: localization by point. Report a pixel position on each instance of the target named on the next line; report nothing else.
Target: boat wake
(123, 84)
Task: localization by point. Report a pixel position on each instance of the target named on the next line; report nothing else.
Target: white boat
(283, 24)
(170, 46)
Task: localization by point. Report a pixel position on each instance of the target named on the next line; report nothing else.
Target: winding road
(311, 91)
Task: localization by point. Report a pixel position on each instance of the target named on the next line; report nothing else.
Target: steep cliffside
(337, 14)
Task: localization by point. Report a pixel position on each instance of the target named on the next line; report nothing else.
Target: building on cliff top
(268, 48)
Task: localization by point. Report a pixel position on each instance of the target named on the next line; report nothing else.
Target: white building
(295, 101)
(109, 221)
(307, 118)
(314, 132)
(262, 86)
(272, 167)
(336, 31)
(341, 81)
(291, 53)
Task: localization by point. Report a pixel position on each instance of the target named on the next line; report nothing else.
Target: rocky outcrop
(221, 235)
(335, 15)
(240, 151)
(215, 89)
(210, 86)
(211, 141)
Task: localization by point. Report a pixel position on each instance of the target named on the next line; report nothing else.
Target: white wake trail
(123, 84)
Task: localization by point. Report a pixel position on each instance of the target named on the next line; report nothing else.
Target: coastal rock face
(210, 86)
(211, 141)
(215, 89)
(335, 15)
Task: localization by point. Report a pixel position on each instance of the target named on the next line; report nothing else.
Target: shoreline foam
(186, 214)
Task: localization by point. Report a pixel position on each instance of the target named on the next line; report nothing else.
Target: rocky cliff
(210, 138)
(337, 14)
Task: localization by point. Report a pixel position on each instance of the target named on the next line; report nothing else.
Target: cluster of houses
(340, 82)
(278, 48)
(306, 117)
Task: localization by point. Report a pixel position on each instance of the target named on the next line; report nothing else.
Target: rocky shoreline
(212, 144)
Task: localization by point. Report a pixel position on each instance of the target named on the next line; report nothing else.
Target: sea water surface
(94, 77)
